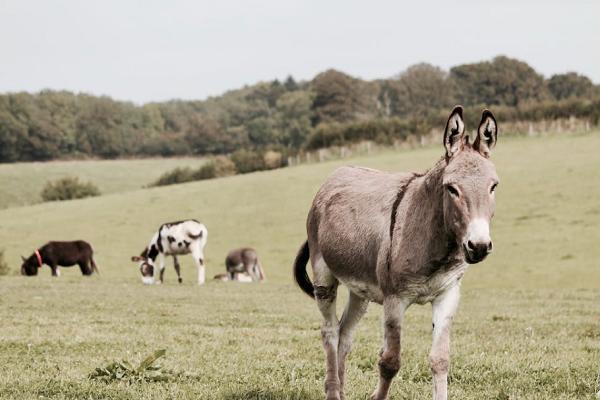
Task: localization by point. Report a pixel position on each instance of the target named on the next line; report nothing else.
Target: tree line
(285, 116)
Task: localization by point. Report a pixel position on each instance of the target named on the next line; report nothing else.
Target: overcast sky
(157, 50)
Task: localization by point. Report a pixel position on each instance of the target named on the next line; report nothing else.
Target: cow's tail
(194, 237)
(94, 266)
(300, 273)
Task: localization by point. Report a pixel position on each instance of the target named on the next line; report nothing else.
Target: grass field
(528, 325)
(21, 183)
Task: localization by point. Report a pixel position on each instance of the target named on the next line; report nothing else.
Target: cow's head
(146, 267)
(30, 266)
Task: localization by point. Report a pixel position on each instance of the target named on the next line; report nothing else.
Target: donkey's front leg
(389, 361)
(444, 308)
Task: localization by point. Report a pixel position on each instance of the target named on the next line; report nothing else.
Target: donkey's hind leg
(355, 310)
(325, 294)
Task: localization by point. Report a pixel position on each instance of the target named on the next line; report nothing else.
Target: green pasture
(528, 326)
(21, 183)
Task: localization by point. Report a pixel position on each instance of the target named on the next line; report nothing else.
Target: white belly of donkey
(416, 293)
(364, 290)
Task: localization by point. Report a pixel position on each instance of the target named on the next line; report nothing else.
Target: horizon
(265, 81)
(193, 51)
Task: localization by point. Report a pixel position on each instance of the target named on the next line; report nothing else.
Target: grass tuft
(146, 371)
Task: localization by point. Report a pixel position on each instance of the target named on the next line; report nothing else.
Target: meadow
(21, 183)
(528, 326)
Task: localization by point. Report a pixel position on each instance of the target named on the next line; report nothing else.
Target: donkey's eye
(493, 188)
(452, 190)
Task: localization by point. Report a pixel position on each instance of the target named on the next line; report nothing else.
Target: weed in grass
(124, 371)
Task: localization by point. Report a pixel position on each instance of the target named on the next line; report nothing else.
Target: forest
(286, 116)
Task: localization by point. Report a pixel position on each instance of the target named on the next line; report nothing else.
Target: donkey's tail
(300, 274)
(94, 266)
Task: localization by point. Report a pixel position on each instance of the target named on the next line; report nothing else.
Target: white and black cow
(172, 239)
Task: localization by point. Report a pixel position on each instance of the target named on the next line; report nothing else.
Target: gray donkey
(398, 239)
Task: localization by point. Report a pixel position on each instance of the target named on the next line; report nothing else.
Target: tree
(571, 84)
(503, 81)
(205, 136)
(337, 97)
(290, 84)
(293, 118)
(420, 89)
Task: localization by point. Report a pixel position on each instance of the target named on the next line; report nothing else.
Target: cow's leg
(55, 270)
(198, 255)
(177, 268)
(355, 310)
(444, 308)
(389, 361)
(325, 294)
(161, 268)
(85, 268)
(161, 275)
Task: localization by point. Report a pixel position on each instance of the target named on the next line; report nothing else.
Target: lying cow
(243, 265)
(63, 254)
(173, 239)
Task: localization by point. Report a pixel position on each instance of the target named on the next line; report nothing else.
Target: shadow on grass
(270, 394)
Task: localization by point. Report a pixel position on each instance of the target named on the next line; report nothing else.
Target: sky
(145, 51)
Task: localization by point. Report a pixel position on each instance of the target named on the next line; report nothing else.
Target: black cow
(64, 254)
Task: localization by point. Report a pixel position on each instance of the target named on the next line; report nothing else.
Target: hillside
(547, 211)
(21, 183)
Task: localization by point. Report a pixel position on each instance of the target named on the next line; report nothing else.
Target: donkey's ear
(455, 130)
(487, 134)
(23, 258)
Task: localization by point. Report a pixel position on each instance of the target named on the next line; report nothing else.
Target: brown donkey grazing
(64, 254)
(398, 239)
(244, 261)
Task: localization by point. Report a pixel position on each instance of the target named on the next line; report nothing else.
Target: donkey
(172, 239)
(398, 239)
(64, 254)
(244, 261)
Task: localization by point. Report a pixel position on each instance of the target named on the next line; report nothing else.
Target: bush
(4, 270)
(247, 161)
(224, 166)
(273, 159)
(218, 167)
(67, 189)
(207, 171)
(177, 175)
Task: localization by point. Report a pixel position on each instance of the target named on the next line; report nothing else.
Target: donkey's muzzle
(477, 251)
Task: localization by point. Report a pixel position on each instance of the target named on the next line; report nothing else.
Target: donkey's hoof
(180, 280)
